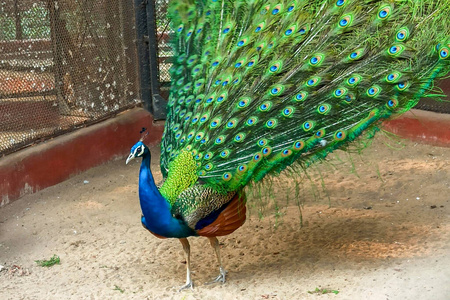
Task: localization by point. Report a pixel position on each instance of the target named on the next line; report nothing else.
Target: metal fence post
(158, 103)
(143, 55)
(148, 58)
(57, 50)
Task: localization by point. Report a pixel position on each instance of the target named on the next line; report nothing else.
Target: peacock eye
(139, 150)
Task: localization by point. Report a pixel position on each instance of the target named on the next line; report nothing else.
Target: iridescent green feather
(258, 86)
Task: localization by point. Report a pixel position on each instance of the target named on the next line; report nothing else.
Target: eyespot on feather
(373, 91)
(313, 81)
(308, 125)
(276, 90)
(393, 77)
(242, 168)
(444, 52)
(392, 104)
(346, 21)
(402, 34)
(340, 92)
(348, 99)
(231, 123)
(260, 27)
(219, 140)
(290, 30)
(340, 135)
(324, 109)
(227, 176)
(317, 60)
(239, 137)
(291, 7)
(257, 157)
(275, 67)
(271, 123)
(265, 106)
(225, 153)
(208, 155)
(301, 96)
(357, 54)
(266, 151)
(262, 142)
(384, 12)
(402, 86)
(243, 102)
(215, 123)
(251, 121)
(286, 153)
(395, 50)
(299, 145)
(340, 3)
(320, 133)
(277, 9)
(288, 111)
(251, 63)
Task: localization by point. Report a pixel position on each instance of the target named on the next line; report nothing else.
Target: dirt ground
(383, 233)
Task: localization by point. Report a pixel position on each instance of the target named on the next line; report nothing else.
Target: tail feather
(259, 85)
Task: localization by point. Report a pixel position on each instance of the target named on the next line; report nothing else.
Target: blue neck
(155, 208)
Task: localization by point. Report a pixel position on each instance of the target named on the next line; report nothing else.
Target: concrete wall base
(46, 164)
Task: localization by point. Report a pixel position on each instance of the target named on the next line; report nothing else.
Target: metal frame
(147, 46)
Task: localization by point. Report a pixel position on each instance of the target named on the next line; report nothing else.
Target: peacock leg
(215, 244)
(187, 252)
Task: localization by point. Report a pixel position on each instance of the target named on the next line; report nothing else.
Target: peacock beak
(130, 158)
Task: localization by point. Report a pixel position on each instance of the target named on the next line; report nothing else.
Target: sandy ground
(383, 233)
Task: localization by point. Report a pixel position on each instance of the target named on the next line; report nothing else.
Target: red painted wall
(423, 127)
(49, 163)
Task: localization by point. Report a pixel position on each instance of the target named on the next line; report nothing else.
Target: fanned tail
(259, 85)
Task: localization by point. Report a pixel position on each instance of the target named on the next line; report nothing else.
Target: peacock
(261, 86)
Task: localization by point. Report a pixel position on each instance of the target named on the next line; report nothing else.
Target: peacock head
(138, 150)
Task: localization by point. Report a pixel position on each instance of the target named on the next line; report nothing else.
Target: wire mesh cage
(63, 64)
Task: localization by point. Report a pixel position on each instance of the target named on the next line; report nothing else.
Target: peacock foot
(188, 285)
(220, 278)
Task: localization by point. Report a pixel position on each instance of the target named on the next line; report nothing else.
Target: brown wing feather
(230, 219)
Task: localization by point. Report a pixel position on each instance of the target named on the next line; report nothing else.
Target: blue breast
(155, 208)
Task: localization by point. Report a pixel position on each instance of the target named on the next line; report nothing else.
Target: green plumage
(182, 176)
(260, 85)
